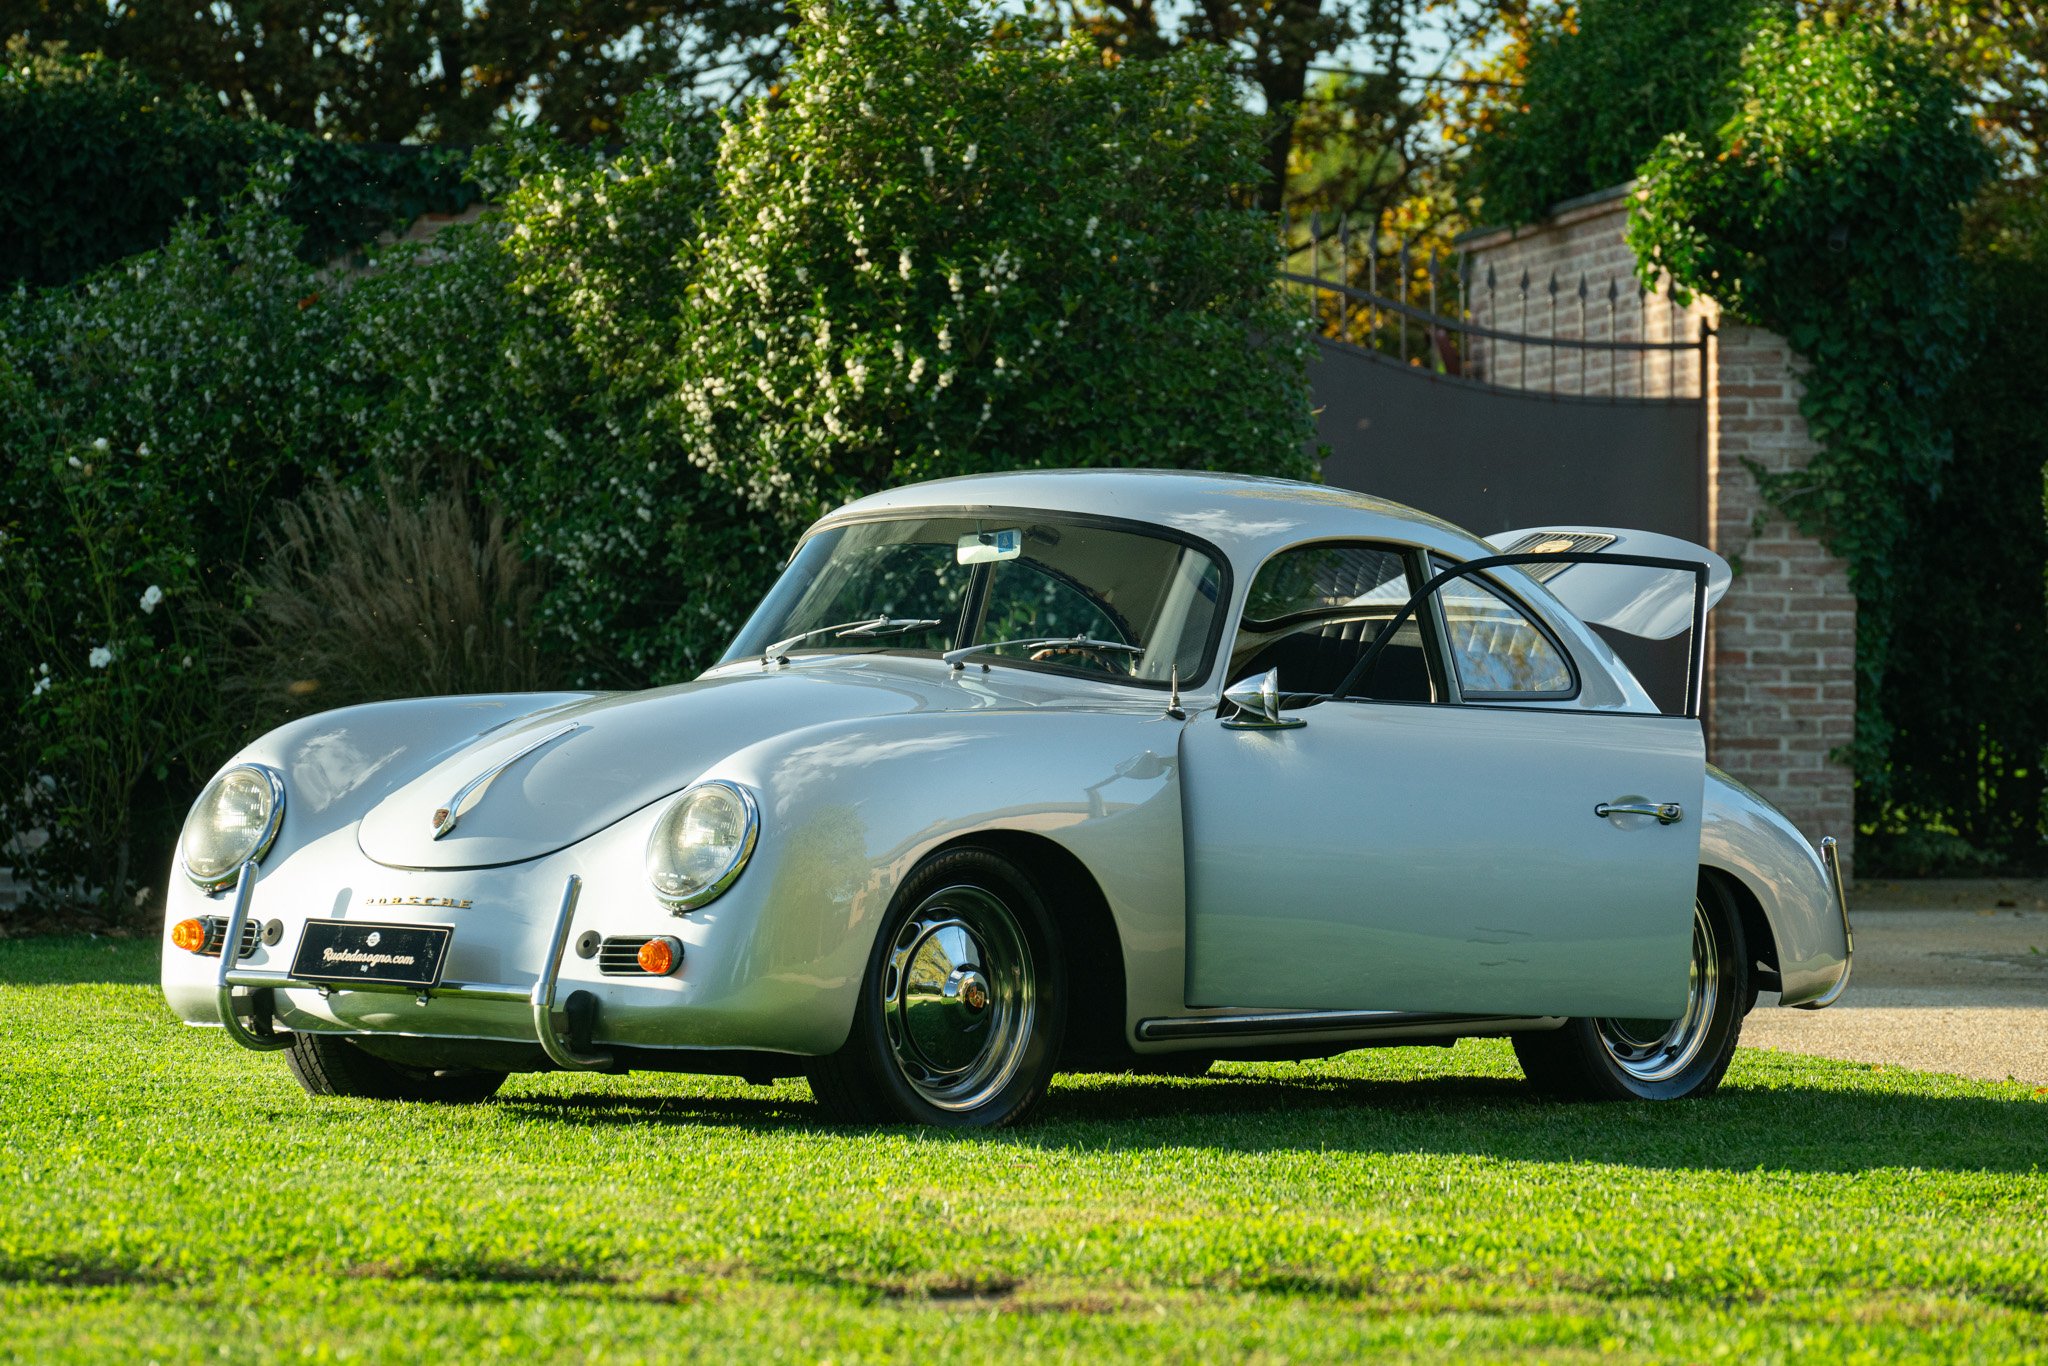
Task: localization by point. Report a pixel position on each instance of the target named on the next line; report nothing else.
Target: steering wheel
(1105, 661)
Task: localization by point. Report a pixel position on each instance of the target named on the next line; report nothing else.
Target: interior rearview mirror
(986, 547)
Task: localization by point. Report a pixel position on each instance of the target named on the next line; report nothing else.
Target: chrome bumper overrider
(1831, 859)
(548, 1021)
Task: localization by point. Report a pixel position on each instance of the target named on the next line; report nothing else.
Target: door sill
(1316, 1022)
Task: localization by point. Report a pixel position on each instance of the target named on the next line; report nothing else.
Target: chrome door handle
(1667, 813)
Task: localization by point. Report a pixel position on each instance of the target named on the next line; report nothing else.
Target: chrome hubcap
(957, 998)
(1658, 1050)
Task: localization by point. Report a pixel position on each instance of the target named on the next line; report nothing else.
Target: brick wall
(1782, 644)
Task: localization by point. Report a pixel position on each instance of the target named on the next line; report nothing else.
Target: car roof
(1245, 516)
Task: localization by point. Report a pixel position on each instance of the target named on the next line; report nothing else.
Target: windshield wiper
(958, 658)
(867, 629)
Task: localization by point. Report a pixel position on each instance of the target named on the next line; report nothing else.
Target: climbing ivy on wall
(1600, 89)
(1827, 210)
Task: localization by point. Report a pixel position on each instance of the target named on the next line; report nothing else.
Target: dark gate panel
(1492, 459)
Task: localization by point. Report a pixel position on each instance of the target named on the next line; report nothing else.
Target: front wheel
(329, 1066)
(1641, 1059)
(962, 1008)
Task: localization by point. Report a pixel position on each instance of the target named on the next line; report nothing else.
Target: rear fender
(1753, 842)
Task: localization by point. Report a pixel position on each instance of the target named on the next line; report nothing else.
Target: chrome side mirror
(1258, 704)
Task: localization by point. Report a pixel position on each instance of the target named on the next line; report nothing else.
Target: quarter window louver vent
(621, 957)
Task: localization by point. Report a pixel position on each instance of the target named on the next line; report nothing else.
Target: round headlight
(234, 820)
(701, 843)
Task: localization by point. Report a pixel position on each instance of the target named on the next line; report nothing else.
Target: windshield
(1044, 591)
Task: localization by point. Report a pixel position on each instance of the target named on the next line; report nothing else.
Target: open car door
(1488, 852)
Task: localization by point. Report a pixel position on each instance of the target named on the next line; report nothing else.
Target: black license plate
(362, 951)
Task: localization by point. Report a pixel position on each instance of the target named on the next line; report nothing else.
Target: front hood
(565, 773)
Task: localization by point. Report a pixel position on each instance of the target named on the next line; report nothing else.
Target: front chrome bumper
(1831, 859)
(549, 1022)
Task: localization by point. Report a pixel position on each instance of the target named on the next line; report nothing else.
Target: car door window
(1496, 650)
(1314, 609)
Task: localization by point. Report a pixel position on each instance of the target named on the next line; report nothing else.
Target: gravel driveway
(1951, 976)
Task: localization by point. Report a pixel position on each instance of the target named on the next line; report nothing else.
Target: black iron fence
(1459, 317)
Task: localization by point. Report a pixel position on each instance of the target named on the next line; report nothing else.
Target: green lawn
(167, 1196)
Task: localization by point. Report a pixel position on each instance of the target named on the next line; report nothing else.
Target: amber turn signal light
(189, 935)
(660, 955)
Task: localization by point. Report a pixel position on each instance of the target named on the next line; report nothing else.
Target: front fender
(1747, 838)
(848, 810)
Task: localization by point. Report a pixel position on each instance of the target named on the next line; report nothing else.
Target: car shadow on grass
(1783, 1126)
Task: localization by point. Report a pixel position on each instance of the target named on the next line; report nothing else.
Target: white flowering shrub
(155, 419)
(939, 249)
(947, 250)
(149, 415)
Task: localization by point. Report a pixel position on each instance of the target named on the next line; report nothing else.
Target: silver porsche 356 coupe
(1024, 773)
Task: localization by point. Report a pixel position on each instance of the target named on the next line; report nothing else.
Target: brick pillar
(1783, 641)
(1781, 681)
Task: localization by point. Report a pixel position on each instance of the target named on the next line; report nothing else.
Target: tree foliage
(395, 70)
(1561, 81)
(1271, 46)
(1602, 86)
(97, 163)
(944, 248)
(1380, 141)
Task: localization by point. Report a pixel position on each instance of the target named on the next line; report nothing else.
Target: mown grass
(165, 1196)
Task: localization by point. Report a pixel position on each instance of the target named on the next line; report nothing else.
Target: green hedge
(943, 248)
(158, 413)
(1966, 696)
(1089, 277)
(97, 164)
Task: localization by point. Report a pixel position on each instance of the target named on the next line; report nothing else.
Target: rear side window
(1327, 578)
(1496, 650)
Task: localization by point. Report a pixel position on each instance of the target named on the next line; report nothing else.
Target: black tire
(965, 927)
(328, 1065)
(1615, 1059)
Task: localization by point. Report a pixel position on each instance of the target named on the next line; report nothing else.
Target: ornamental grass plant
(363, 595)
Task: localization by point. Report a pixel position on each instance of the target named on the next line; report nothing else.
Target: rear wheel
(962, 1008)
(1654, 1059)
(327, 1065)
